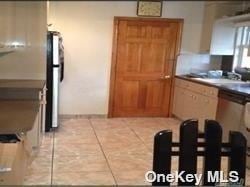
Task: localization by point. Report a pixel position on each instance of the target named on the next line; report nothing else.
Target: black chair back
(212, 150)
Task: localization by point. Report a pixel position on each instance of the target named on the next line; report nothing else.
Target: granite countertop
(20, 89)
(242, 89)
(17, 116)
(237, 87)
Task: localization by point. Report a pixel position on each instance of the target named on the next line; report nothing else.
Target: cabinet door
(33, 134)
(208, 108)
(207, 27)
(21, 23)
(211, 107)
(189, 105)
(7, 22)
(186, 104)
(212, 12)
(178, 102)
(222, 42)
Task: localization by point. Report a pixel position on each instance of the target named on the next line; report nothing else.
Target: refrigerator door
(55, 103)
(49, 83)
(56, 80)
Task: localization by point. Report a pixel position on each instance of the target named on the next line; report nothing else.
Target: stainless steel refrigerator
(55, 75)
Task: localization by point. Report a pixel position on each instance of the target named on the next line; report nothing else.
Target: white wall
(87, 29)
(25, 23)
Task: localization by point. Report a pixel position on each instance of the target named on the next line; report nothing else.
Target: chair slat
(162, 155)
(188, 149)
(237, 161)
(212, 156)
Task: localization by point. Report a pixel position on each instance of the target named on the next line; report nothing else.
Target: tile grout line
(137, 136)
(103, 153)
(52, 163)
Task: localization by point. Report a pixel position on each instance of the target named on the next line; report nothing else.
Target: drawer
(182, 83)
(178, 82)
(203, 89)
(196, 87)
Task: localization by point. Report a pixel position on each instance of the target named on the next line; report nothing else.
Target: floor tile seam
(52, 164)
(103, 153)
(137, 136)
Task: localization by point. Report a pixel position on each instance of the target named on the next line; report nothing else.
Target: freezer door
(55, 103)
(56, 59)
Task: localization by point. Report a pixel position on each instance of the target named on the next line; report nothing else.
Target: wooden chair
(213, 150)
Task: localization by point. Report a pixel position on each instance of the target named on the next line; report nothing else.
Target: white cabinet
(20, 23)
(6, 21)
(222, 42)
(212, 12)
(207, 27)
(34, 136)
(207, 108)
(14, 23)
(194, 101)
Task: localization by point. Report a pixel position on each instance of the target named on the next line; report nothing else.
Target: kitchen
(207, 43)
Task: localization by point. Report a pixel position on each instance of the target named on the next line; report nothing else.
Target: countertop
(21, 89)
(22, 84)
(237, 87)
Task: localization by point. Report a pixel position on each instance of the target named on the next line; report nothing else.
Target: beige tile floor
(99, 152)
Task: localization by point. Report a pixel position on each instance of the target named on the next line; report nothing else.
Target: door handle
(166, 77)
(4, 169)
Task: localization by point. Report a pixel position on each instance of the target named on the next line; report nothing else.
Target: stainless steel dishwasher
(230, 113)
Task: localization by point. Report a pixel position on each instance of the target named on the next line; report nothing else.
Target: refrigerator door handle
(62, 72)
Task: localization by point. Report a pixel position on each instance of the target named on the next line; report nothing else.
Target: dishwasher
(230, 114)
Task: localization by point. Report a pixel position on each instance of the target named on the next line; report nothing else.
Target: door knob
(166, 77)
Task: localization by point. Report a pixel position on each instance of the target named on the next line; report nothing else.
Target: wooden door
(145, 57)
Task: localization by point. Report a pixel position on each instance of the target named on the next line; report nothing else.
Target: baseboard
(81, 116)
